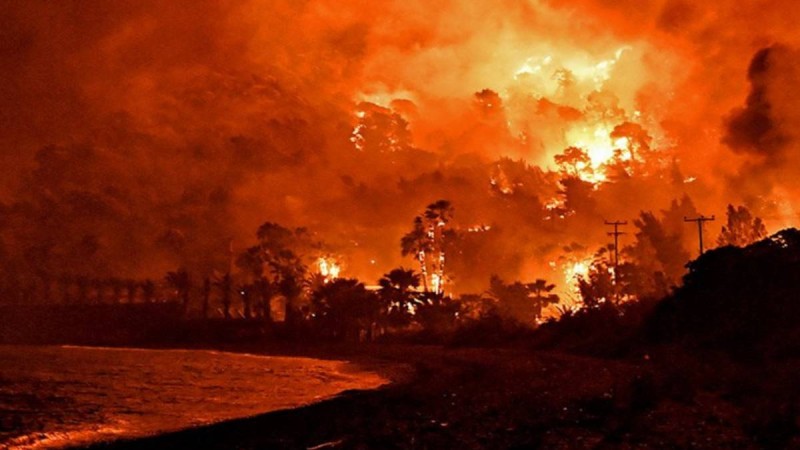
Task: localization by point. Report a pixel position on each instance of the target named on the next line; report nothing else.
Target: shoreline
(482, 398)
(345, 373)
(441, 405)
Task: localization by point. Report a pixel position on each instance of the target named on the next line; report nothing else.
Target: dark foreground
(480, 398)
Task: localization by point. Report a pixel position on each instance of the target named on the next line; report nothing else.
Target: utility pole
(616, 233)
(700, 220)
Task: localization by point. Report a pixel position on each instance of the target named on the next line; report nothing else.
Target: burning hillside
(143, 137)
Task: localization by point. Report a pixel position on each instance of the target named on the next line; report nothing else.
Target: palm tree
(344, 306)
(438, 215)
(417, 243)
(397, 294)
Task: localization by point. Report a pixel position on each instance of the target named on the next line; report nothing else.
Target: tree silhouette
(519, 301)
(542, 295)
(266, 291)
(345, 308)
(417, 244)
(397, 294)
(574, 162)
(276, 265)
(741, 228)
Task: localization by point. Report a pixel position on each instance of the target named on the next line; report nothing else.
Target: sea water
(54, 397)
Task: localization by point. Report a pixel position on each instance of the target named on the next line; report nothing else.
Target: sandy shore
(484, 398)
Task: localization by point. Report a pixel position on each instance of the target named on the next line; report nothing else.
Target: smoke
(143, 136)
(756, 128)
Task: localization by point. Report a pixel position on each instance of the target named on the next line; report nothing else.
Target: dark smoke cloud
(754, 127)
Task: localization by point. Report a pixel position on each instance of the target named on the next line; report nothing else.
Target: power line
(700, 220)
(616, 233)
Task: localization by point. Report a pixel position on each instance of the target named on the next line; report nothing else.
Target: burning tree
(427, 241)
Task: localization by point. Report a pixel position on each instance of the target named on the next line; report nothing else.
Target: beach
(61, 396)
(488, 398)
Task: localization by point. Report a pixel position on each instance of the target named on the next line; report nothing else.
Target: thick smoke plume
(140, 136)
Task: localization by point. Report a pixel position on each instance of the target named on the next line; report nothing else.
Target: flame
(601, 148)
(328, 268)
(574, 271)
(436, 283)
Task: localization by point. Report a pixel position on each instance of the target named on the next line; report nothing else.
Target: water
(54, 397)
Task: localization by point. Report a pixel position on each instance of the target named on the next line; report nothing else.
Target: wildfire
(328, 268)
(574, 271)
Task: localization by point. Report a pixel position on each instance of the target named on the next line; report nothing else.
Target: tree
(476, 306)
(427, 241)
(344, 308)
(542, 295)
(597, 286)
(519, 301)
(417, 243)
(658, 246)
(574, 162)
(436, 313)
(741, 229)
(276, 265)
(398, 294)
(266, 291)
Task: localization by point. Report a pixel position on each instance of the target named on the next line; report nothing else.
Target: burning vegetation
(152, 143)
